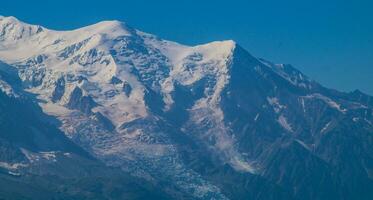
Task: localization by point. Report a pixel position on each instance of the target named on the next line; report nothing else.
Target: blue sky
(331, 41)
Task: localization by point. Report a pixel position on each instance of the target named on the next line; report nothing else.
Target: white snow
(12, 166)
(33, 157)
(328, 101)
(369, 122)
(256, 117)
(274, 102)
(14, 173)
(7, 89)
(303, 144)
(326, 127)
(303, 105)
(284, 123)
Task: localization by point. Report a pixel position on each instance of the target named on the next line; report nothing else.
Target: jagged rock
(59, 89)
(111, 93)
(104, 121)
(127, 88)
(80, 102)
(114, 80)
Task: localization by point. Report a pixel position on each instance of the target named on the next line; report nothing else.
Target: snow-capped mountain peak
(102, 80)
(171, 112)
(11, 30)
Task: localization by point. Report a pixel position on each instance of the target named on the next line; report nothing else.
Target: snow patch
(326, 127)
(40, 156)
(256, 117)
(12, 166)
(284, 123)
(274, 102)
(328, 101)
(303, 144)
(7, 89)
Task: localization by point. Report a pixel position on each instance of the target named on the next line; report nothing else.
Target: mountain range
(110, 112)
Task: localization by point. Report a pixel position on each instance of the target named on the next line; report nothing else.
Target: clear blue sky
(331, 41)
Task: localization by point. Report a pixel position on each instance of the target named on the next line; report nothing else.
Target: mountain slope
(209, 121)
(37, 161)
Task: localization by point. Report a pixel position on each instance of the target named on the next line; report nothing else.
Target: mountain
(204, 122)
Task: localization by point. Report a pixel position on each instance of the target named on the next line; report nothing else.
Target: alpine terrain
(110, 112)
